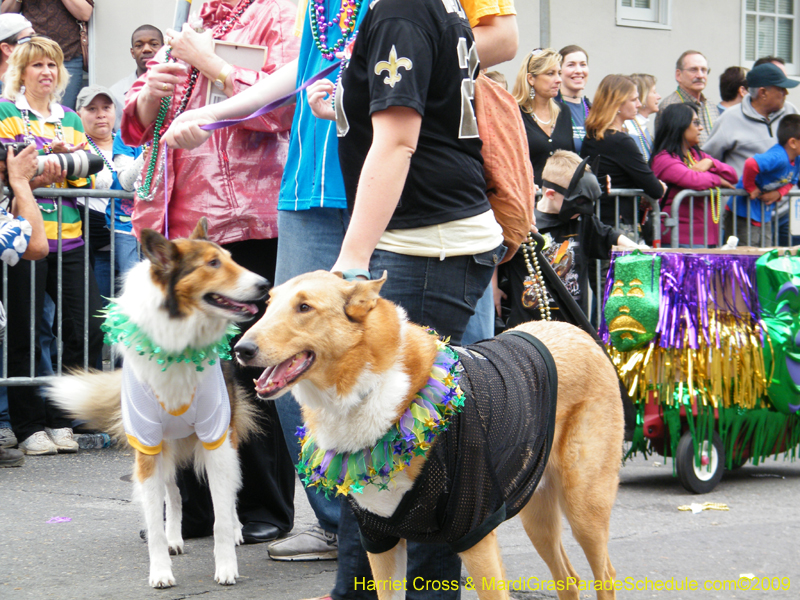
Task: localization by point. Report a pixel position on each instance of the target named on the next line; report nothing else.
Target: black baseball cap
(767, 75)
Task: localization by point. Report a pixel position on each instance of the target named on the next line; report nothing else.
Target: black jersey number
(468, 60)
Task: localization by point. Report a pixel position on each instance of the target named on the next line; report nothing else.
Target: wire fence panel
(778, 230)
(32, 378)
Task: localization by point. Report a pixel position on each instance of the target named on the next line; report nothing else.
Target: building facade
(621, 36)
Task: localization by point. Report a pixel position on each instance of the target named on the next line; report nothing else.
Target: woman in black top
(616, 101)
(547, 123)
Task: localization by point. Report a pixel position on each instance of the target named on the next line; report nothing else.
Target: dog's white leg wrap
(224, 479)
(174, 515)
(151, 492)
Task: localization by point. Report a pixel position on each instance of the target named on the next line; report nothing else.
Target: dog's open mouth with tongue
(276, 378)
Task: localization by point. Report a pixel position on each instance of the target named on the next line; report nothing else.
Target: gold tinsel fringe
(727, 372)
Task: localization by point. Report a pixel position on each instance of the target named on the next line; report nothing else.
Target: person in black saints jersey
(410, 156)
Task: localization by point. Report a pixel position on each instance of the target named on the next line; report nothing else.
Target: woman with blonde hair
(638, 127)
(617, 101)
(547, 123)
(30, 113)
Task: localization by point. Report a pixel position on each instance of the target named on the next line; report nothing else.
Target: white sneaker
(37, 444)
(62, 438)
(7, 438)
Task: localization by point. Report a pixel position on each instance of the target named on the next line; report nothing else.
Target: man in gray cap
(750, 127)
(13, 28)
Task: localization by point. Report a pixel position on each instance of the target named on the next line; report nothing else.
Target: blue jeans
(5, 422)
(442, 294)
(47, 339)
(481, 324)
(308, 240)
(784, 238)
(126, 255)
(74, 67)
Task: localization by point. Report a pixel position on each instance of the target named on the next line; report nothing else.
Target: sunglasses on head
(28, 38)
(534, 53)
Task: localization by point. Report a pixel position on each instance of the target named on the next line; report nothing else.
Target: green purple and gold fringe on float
(717, 335)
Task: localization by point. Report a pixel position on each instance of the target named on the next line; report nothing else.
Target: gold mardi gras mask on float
(631, 309)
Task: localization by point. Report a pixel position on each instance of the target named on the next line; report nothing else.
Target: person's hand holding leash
(184, 132)
(319, 99)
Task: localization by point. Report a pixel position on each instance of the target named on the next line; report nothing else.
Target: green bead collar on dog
(119, 329)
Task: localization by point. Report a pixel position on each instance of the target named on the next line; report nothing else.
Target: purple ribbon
(166, 194)
(220, 124)
(272, 105)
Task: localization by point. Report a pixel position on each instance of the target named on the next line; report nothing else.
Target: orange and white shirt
(147, 423)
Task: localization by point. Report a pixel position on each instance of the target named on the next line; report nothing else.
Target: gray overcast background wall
(713, 27)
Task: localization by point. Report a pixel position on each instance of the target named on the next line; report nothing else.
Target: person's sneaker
(37, 444)
(7, 438)
(311, 544)
(63, 440)
(10, 457)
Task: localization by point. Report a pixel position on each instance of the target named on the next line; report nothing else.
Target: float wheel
(702, 479)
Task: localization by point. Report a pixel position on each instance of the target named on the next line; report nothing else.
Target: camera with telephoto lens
(77, 164)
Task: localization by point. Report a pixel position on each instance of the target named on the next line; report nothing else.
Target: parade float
(707, 343)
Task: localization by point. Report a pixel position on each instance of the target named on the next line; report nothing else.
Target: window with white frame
(652, 14)
(771, 29)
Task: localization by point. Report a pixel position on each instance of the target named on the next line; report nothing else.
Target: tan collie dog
(354, 362)
(170, 401)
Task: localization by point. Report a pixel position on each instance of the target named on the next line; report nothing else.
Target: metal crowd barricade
(651, 206)
(59, 194)
(778, 225)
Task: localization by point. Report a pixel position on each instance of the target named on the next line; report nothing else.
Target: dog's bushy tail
(93, 397)
(245, 418)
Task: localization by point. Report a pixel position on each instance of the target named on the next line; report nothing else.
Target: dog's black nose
(245, 350)
(263, 287)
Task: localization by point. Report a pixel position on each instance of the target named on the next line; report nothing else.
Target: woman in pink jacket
(678, 161)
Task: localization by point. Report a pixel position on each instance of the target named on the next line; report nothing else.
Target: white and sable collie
(184, 297)
(354, 363)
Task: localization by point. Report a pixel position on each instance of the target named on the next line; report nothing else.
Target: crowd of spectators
(284, 196)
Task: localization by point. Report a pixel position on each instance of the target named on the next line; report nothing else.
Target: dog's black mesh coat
(484, 468)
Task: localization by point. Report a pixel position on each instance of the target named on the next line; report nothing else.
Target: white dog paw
(238, 538)
(226, 575)
(162, 579)
(176, 547)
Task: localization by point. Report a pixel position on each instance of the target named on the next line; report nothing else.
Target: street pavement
(70, 530)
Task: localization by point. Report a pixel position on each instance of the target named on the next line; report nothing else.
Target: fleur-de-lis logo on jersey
(393, 67)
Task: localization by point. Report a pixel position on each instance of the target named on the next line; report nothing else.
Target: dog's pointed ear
(159, 250)
(200, 230)
(363, 298)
